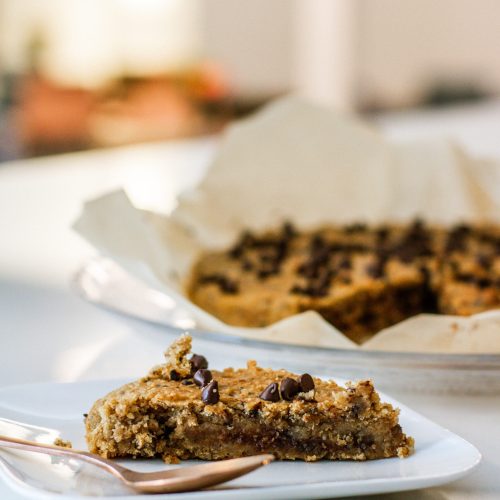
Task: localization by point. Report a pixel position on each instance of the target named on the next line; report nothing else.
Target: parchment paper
(299, 162)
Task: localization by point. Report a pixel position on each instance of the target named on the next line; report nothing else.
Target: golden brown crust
(157, 416)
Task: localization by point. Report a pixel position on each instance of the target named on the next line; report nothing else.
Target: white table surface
(49, 334)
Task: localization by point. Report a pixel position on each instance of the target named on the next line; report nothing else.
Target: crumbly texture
(361, 279)
(176, 360)
(156, 416)
(63, 443)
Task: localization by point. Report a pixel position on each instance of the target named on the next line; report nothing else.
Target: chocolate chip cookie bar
(361, 279)
(183, 410)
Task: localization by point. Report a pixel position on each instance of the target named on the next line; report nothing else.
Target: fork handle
(48, 449)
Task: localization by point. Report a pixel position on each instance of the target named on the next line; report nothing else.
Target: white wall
(253, 40)
(350, 51)
(406, 45)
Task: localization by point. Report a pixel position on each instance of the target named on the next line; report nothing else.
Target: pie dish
(360, 279)
(181, 410)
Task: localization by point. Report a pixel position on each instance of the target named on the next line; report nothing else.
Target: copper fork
(175, 480)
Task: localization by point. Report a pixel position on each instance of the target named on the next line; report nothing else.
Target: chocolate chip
(350, 247)
(325, 278)
(355, 228)
(298, 290)
(288, 230)
(483, 261)
(382, 234)
(366, 318)
(198, 362)
(270, 393)
(407, 256)
(456, 241)
(202, 377)
(480, 282)
(376, 269)
(308, 269)
(211, 278)
(246, 241)
(174, 375)
(358, 407)
(225, 284)
(210, 393)
(344, 263)
(281, 250)
(228, 286)
(187, 381)
(412, 247)
(309, 291)
(236, 252)
(85, 415)
(246, 265)
(317, 241)
(484, 282)
(306, 383)
(289, 388)
(272, 252)
(265, 273)
(466, 278)
(320, 256)
(462, 229)
(365, 441)
(267, 258)
(417, 225)
(265, 242)
(414, 243)
(454, 245)
(485, 237)
(425, 273)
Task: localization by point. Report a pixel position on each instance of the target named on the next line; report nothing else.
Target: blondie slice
(183, 410)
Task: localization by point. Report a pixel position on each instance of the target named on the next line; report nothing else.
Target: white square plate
(440, 456)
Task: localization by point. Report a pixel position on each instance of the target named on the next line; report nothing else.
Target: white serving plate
(440, 456)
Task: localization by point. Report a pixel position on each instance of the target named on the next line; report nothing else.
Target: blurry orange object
(52, 118)
(209, 82)
(150, 109)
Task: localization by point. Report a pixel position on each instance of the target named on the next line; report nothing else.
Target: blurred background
(80, 74)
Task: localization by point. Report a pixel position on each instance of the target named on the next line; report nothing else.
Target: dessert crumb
(63, 443)
(170, 459)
